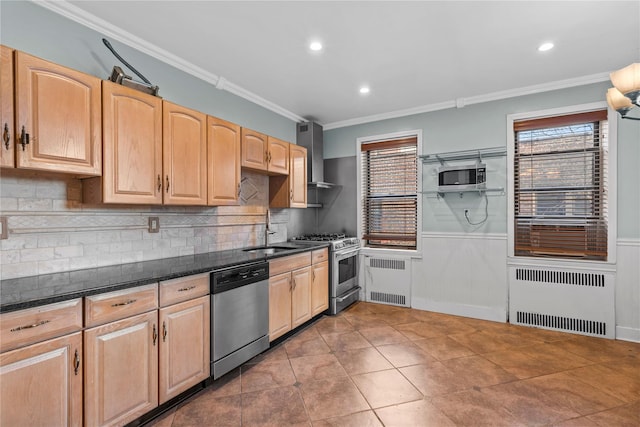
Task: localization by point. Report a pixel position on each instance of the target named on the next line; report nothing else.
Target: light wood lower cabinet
(289, 293)
(300, 296)
(319, 288)
(41, 384)
(184, 346)
(121, 370)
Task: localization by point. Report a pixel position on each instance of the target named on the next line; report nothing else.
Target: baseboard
(627, 334)
(473, 311)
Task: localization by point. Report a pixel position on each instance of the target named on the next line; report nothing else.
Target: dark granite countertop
(25, 292)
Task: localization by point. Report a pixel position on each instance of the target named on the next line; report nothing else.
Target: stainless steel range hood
(309, 135)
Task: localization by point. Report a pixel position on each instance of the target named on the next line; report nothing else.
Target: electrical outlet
(4, 229)
(154, 224)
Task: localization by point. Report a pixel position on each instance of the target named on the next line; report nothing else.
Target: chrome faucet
(267, 228)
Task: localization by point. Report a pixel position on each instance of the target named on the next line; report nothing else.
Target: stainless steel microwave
(462, 177)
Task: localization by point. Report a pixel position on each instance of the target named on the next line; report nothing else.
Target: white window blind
(560, 186)
(389, 190)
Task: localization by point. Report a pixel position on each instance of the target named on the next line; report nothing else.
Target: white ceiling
(415, 55)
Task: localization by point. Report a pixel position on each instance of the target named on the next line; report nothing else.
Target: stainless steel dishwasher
(239, 315)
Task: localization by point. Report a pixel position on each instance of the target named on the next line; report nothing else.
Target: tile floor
(378, 365)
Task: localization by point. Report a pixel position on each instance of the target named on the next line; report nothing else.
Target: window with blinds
(390, 193)
(560, 186)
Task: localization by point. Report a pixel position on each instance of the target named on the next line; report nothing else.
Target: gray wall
(39, 32)
(483, 126)
(52, 230)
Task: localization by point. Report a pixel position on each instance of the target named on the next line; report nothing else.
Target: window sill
(417, 254)
(561, 262)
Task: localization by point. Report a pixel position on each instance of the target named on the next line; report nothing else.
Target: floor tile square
(384, 388)
(318, 367)
(274, 407)
(382, 335)
(417, 413)
(405, 354)
(444, 348)
(362, 360)
(344, 341)
(359, 419)
(333, 397)
(267, 375)
(434, 379)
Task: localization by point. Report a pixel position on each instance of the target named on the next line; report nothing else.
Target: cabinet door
(298, 177)
(41, 385)
(319, 288)
(7, 158)
(132, 145)
(300, 296)
(278, 157)
(121, 370)
(224, 162)
(279, 305)
(184, 346)
(254, 150)
(59, 108)
(184, 150)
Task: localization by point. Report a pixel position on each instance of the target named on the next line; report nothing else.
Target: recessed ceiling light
(545, 47)
(364, 90)
(315, 46)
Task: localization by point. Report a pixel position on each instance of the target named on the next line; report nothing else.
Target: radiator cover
(388, 280)
(563, 299)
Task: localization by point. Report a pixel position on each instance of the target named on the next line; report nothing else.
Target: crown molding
(479, 99)
(78, 15)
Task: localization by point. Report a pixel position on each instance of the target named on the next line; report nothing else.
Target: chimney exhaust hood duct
(309, 136)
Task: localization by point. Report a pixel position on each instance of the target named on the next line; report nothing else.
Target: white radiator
(563, 299)
(387, 280)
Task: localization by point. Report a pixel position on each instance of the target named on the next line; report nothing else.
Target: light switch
(4, 230)
(154, 224)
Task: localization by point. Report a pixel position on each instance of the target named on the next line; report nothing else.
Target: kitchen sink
(266, 250)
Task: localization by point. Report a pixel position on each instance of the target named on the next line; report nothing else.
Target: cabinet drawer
(319, 255)
(116, 305)
(284, 264)
(183, 289)
(23, 327)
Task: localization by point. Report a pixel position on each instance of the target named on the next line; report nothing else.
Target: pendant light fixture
(626, 91)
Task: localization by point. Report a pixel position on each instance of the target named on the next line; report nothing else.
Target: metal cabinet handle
(24, 138)
(186, 289)
(159, 183)
(291, 196)
(167, 183)
(35, 325)
(239, 188)
(76, 362)
(313, 275)
(294, 284)
(6, 136)
(155, 335)
(164, 331)
(118, 304)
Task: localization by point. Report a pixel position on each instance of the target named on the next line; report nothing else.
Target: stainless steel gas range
(343, 271)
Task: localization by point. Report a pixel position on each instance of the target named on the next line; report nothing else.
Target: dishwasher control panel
(235, 277)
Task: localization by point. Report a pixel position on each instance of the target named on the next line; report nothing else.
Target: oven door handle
(353, 291)
(340, 256)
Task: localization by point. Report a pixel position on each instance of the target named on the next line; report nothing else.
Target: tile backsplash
(51, 230)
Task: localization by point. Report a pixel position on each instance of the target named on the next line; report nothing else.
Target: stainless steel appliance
(239, 315)
(343, 271)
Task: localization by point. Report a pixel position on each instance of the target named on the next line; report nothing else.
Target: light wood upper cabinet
(264, 153)
(278, 156)
(224, 162)
(184, 346)
(7, 153)
(132, 147)
(59, 110)
(291, 191)
(41, 384)
(255, 149)
(121, 370)
(184, 148)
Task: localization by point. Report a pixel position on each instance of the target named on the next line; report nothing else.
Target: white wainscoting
(628, 290)
(462, 274)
